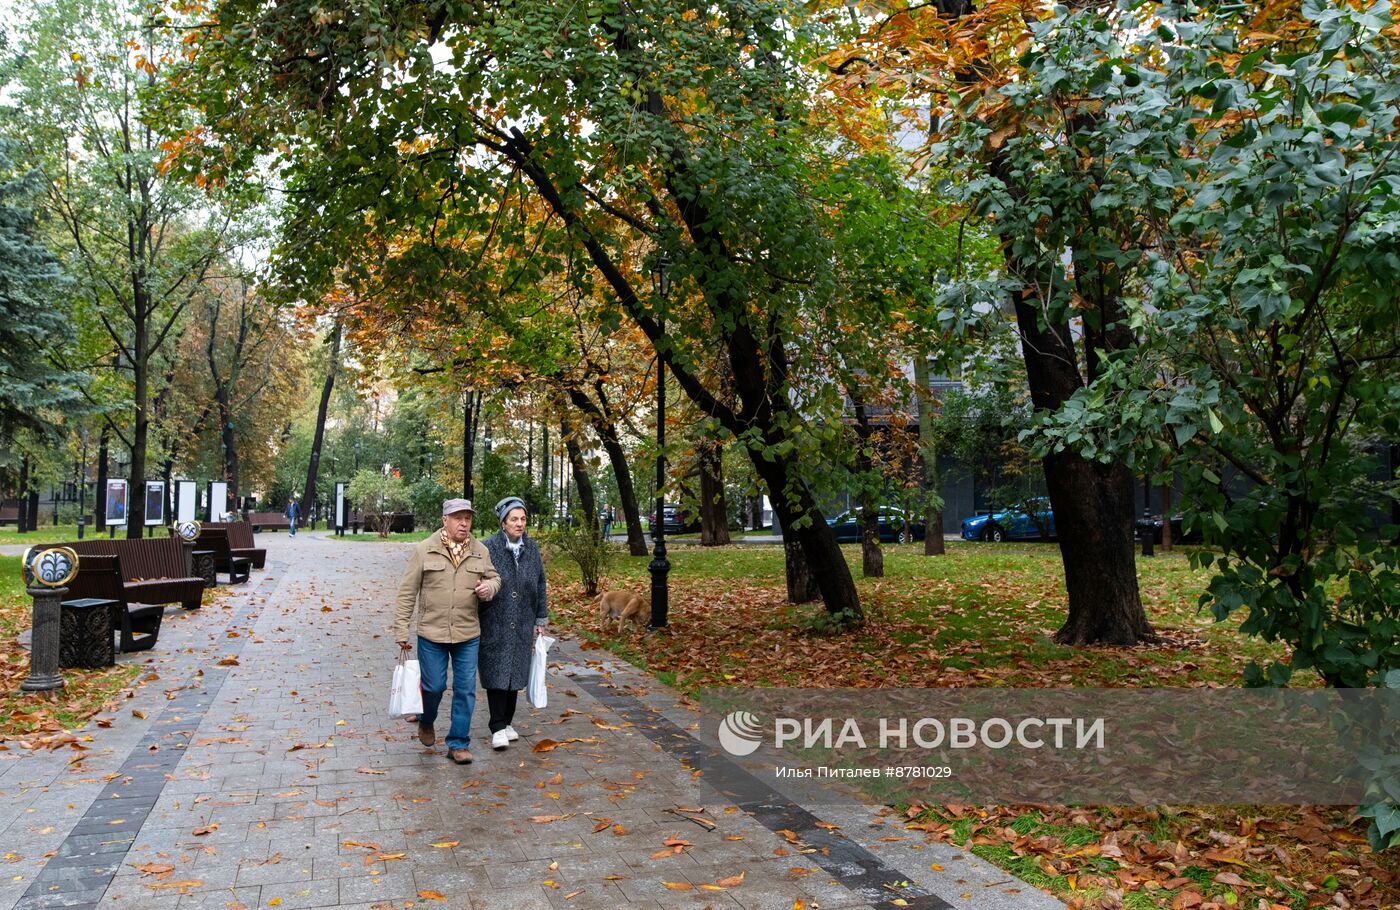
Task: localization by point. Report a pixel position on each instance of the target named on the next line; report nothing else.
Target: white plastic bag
(405, 692)
(536, 691)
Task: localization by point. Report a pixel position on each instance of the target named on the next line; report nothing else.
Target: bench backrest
(240, 533)
(143, 558)
(9, 513)
(267, 518)
(215, 539)
(98, 576)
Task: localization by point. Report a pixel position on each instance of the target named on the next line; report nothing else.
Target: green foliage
(585, 548)
(377, 496)
(502, 477)
(1241, 195)
(34, 326)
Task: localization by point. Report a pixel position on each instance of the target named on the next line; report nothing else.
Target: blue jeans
(432, 666)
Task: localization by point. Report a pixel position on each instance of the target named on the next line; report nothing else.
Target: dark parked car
(892, 522)
(1012, 524)
(1178, 535)
(676, 520)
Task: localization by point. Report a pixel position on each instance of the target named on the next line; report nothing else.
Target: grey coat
(508, 620)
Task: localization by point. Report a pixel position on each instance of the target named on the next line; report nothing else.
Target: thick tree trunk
(756, 513)
(1093, 504)
(824, 562)
(309, 498)
(30, 504)
(928, 459)
(800, 587)
(714, 515)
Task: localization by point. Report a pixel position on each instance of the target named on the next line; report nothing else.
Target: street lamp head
(660, 277)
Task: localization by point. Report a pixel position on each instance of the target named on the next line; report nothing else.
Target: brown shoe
(426, 736)
(460, 756)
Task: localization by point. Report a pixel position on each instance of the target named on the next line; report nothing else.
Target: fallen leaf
(180, 884)
(678, 886)
(370, 771)
(732, 881)
(446, 845)
(206, 829)
(154, 868)
(546, 819)
(429, 895)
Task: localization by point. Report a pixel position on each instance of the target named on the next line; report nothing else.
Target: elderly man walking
(446, 579)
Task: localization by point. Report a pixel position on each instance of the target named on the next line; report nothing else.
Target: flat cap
(452, 506)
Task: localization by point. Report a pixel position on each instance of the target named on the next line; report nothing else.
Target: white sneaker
(511, 734)
(499, 740)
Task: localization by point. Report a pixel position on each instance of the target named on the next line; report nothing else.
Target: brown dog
(622, 606)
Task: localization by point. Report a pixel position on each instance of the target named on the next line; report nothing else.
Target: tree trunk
(586, 500)
(928, 458)
(309, 497)
(141, 431)
(714, 516)
(872, 557)
(22, 498)
(756, 513)
(606, 429)
(1092, 502)
(800, 587)
(99, 504)
(825, 564)
(471, 426)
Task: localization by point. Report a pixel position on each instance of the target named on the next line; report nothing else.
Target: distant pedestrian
(510, 623)
(607, 521)
(447, 578)
(293, 514)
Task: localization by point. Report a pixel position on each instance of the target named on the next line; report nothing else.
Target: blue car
(1012, 524)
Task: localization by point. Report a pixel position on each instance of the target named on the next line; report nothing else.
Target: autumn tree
(139, 244)
(678, 129)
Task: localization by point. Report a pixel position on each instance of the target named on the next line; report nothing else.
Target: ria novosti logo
(740, 733)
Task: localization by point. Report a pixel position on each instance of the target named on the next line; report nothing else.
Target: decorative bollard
(188, 533)
(46, 575)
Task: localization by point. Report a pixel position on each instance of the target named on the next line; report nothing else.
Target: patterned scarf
(455, 551)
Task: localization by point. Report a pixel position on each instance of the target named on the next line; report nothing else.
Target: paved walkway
(255, 768)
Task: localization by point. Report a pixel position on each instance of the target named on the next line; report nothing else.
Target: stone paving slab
(255, 767)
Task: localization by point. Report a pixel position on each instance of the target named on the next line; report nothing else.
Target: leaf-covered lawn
(27, 714)
(984, 616)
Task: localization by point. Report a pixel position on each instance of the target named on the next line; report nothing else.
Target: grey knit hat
(510, 502)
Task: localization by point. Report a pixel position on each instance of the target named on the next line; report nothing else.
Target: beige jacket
(445, 597)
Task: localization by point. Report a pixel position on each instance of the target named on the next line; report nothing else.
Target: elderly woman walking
(510, 622)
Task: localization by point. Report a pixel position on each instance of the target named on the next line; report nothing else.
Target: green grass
(46, 533)
(400, 537)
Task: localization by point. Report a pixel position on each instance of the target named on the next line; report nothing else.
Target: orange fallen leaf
(154, 868)
(206, 829)
(446, 845)
(678, 886)
(181, 885)
(429, 895)
(732, 881)
(370, 771)
(546, 819)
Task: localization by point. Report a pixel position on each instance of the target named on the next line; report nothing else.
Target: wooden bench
(225, 560)
(153, 569)
(101, 577)
(9, 514)
(240, 541)
(268, 521)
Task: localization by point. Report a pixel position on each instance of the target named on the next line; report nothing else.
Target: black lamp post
(660, 566)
